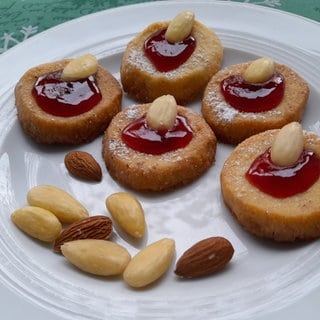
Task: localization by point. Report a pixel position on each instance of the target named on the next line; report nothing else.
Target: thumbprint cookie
(248, 98)
(176, 57)
(158, 146)
(67, 102)
(270, 182)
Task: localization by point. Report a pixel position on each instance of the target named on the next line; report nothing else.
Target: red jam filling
(253, 97)
(140, 137)
(282, 182)
(167, 56)
(65, 98)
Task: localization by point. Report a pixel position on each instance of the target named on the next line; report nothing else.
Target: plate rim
(119, 9)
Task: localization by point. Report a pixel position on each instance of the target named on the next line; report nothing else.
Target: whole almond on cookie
(180, 27)
(205, 257)
(95, 227)
(259, 70)
(287, 145)
(80, 68)
(83, 165)
(162, 113)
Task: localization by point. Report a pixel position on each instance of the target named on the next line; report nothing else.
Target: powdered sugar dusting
(226, 112)
(122, 151)
(132, 112)
(119, 148)
(140, 61)
(315, 127)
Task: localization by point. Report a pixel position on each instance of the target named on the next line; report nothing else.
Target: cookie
(232, 125)
(278, 216)
(143, 171)
(143, 81)
(70, 129)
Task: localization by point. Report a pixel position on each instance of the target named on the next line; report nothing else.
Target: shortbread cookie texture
(166, 170)
(145, 79)
(232, 125)
(285, 215)
(70, 127)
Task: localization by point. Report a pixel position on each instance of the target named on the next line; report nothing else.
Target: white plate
(263, 280)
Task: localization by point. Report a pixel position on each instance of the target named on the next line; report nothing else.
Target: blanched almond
(288, 145)
(259, 70)
(37, 222)
(180, 27)
(127, 212)
(162, 113)
(59, 202)
(150, 263)
(80, 68)
(99, 257)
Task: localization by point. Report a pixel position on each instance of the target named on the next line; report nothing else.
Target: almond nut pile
(85, 240)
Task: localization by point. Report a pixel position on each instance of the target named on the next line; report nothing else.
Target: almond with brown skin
(83, 165)
(205, 257)
(95, 227)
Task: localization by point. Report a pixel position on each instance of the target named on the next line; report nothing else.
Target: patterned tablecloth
(21, 19)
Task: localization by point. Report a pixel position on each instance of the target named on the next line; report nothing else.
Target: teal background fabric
(21, 19)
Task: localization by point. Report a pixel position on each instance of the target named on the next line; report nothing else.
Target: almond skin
(205, 257)
(83, 165)
(95, 227)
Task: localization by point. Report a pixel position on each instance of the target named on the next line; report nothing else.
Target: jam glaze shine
(167, 56)
(140, 137)
(253, 97)
(66, 98)
(282, 182)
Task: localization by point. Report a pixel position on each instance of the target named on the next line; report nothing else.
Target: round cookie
(50, 129)
(149, 172)
(292, 218)
(232, 126)
(142, 81)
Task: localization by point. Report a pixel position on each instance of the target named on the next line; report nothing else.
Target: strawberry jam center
(282, 182)
(167, 56)
(65, 98)
(140, 137)
(253, 97)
